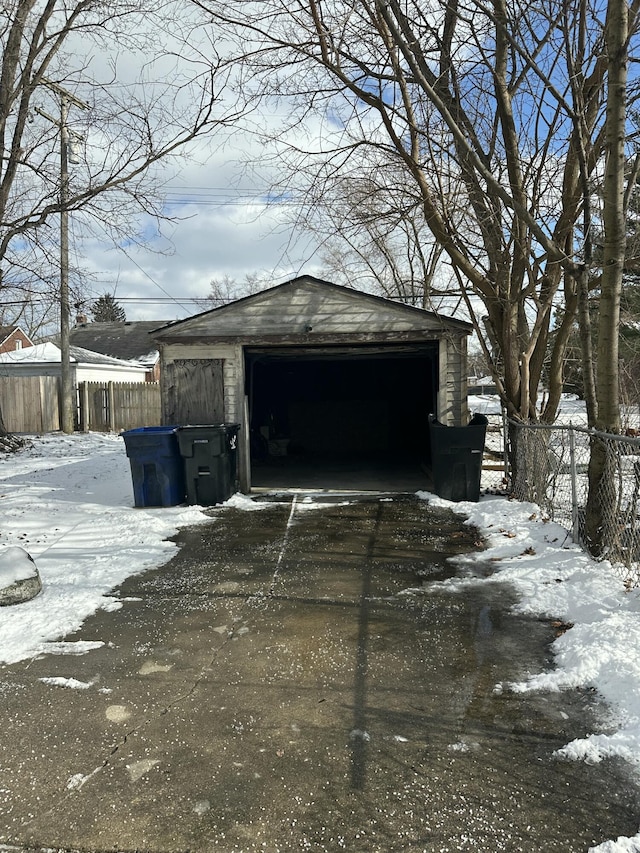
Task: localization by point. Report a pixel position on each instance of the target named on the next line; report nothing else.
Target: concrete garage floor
(295, 680)
(364, 475)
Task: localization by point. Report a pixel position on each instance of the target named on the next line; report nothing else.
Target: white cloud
(223, 222)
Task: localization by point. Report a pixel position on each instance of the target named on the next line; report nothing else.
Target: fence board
(30, 403)
(114, 406)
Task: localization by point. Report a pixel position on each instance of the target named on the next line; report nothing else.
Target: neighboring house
(86, 366)
(317, 372)
(131, 341)
(12, 338)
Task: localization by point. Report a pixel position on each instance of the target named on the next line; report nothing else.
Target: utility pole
(66, 389)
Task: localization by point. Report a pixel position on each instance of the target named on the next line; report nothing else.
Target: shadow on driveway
(296, 679)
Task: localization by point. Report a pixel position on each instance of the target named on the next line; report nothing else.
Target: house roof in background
(130, 340)
(49, 353)
(6, 331)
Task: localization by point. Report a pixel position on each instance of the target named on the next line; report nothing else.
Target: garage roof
(310, 306)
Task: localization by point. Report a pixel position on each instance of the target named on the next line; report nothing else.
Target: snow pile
(19, 578)
(556, 579)
(68, 500)
(15, 565)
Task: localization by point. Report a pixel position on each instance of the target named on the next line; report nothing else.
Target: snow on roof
(38, 353)
(49, 353)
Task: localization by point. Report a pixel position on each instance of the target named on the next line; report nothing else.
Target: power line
(224, 197)
(164, 300)
(170, 298)
(152, 300)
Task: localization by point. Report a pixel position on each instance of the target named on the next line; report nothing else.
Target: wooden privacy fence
(114, 406)
(30, 403)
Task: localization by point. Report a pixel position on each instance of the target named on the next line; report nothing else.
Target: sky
(68, 500)
(222, 216)
(222, 220)
(222, 224)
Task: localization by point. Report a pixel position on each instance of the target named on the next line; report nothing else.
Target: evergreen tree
(106, 310)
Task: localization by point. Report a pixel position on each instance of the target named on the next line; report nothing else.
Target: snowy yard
(68, 501)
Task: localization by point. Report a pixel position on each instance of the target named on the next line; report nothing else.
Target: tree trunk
(600, 519)
(586, 348)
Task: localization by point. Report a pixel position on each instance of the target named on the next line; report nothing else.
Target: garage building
(327, 383)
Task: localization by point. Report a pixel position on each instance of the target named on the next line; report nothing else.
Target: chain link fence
(549, 466)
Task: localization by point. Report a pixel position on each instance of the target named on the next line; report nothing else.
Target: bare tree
(607, 413)
(372, 234)
(110, 89)
(227, 289)
(494, 115)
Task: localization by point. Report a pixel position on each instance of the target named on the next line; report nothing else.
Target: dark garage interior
(349, 415)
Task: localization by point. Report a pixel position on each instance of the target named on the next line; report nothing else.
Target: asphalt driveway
(295, 680)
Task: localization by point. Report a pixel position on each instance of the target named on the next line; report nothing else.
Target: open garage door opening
(338, 418)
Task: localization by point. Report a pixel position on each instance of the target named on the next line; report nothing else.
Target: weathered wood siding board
(452, 398)
(265, 339)
(30, 403)
(193, 391)
(308, 308)
(232, 407)
(231, 358)
(286, 318)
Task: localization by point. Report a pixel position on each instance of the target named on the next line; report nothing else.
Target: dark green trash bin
(209, 454)
(456, 458)
(157, 470)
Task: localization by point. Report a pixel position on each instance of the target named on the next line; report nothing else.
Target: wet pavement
(297, 679)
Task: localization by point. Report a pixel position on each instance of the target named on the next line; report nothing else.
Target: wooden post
(112, 408)
(85, 415)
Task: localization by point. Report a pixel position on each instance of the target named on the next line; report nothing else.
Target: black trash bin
(209, 453)
(456, 458)
(157, 469)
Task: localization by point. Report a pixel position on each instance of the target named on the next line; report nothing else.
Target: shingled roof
(130, 340)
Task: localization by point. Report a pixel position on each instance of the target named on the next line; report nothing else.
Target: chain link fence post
(551, 470)
(575, 518)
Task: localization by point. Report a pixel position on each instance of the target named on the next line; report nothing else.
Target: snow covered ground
(68, 501)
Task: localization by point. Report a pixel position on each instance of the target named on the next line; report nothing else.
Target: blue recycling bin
(456, 458)
(209, 456)
(157, 468)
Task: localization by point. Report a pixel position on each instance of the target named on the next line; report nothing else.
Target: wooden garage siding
(452, 400)
(458, 349)
(456, 367)
(231, 360)
(307, 313)
(314, 310)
